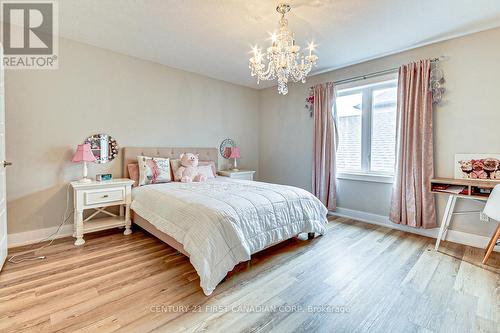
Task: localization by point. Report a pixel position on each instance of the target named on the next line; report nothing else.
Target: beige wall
(137, 102)
(466, 122)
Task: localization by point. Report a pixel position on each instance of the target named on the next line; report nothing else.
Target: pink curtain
(412, 202)
(325, 145)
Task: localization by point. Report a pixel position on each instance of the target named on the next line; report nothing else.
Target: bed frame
(130, 156)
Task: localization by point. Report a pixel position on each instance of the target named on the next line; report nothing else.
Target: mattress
(222, 221)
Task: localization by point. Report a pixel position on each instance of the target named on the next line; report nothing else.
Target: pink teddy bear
(188, 171)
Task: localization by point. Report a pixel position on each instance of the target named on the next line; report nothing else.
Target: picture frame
(477, 166)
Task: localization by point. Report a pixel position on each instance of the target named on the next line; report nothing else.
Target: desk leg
(445, 222)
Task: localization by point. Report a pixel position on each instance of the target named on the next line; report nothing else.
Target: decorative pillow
(206, 170)
(153, 170)
(133, 172)
(175, 164)
(211, 164)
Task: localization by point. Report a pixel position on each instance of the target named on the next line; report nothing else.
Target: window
(366, 121)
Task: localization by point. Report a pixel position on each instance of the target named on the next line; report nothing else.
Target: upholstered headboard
(130, 154)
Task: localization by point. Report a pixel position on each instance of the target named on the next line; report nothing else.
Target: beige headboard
(130, 154)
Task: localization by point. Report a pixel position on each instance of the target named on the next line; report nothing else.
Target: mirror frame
(112, 147)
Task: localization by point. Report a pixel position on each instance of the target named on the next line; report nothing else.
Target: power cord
(52, 237)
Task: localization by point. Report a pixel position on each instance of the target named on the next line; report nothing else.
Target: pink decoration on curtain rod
(412, 201)
(325, 146)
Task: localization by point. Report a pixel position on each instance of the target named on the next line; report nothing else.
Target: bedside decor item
(477, 166)
(103, 146)
(84, 154)
(153, 170)
(224, 144)
(188, 169)
(98, 196)
(285, 61)
(233, 152)
(101, 177)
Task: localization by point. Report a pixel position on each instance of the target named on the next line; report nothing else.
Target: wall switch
(483, 217)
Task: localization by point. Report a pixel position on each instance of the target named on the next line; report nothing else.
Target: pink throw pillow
(133, 172)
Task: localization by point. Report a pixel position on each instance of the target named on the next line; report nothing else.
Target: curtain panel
(324, 146)
(412, 202)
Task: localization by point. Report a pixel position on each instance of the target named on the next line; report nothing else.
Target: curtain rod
(385, 71)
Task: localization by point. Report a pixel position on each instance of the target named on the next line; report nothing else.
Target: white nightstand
(98, 196)
(241, 174)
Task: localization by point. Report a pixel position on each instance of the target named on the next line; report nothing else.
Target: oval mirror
(227, 143)
(103, 147)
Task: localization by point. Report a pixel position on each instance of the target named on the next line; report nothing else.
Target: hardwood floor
(356, 278)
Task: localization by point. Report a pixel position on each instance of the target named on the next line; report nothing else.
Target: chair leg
(491, 244)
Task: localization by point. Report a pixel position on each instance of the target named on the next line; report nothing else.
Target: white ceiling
(213, 37)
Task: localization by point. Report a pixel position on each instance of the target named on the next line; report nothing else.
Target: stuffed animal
(478, 170)
(466, 167)
(490, 166)
(188, 171)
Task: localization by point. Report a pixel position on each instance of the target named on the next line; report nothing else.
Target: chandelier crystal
(285, 62)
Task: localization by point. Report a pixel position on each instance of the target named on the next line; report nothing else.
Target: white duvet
(223, 221)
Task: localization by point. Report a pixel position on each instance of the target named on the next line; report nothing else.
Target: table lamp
(84, 154)
(235, 153)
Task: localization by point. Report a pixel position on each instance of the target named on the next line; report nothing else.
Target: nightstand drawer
(244, 176)
(104, 196)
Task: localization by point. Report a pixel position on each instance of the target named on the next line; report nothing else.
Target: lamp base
(85, 180)
(234, 169)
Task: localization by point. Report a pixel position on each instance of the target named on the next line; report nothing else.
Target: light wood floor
(357, 278)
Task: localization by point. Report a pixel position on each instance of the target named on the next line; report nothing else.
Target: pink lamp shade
(84, 154)
(235, 152)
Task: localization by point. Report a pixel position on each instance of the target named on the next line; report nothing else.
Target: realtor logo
(29, 34)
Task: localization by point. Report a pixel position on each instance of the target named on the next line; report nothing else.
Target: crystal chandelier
(285, 62)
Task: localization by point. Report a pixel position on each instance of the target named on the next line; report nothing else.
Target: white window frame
(367, 127)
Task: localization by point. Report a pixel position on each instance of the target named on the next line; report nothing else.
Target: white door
(3, 165)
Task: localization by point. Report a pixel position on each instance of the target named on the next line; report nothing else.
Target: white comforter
(223, 221)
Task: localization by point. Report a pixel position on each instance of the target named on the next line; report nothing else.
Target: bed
(221, 222)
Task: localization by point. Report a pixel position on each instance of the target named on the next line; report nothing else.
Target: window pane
(349, 109)
(383, 130)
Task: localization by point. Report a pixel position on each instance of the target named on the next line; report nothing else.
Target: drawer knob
(105, 196)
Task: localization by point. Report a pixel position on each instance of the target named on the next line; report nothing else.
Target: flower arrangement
(310, 102)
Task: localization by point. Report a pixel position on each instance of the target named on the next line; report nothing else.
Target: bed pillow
(133, 172)
(175, 164)
(206, 170)
(211, 164)
(153, 170)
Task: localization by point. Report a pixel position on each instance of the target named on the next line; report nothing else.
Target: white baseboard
(34, 236)
(452, 235)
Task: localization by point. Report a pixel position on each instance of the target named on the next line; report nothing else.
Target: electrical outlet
(483, 217)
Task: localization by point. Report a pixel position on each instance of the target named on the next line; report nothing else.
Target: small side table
(240, 174)
(98, 196)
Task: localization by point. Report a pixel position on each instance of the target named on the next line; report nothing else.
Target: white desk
(471, 185)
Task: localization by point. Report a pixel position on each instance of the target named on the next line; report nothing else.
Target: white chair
(492, 210)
